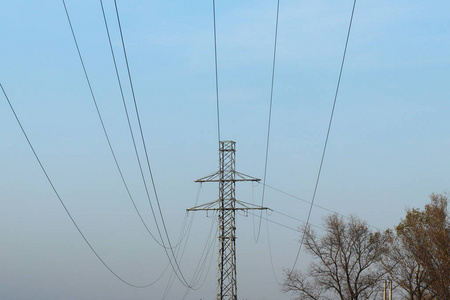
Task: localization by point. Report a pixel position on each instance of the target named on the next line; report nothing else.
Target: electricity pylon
(227, 205)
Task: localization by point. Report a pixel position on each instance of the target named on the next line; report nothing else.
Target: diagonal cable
(180, 276)
(270, 115)
(328, 134)
(315, 205)
(64, 205)
(129, 127)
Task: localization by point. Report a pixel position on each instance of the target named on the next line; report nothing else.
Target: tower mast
(227, 205)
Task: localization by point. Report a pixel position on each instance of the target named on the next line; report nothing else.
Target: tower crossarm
(238, 176)
(243, 206)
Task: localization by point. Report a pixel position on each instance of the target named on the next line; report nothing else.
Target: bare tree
(345, 262)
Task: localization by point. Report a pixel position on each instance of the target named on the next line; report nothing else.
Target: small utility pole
(227, 205)
(387, 287)
(390, 289)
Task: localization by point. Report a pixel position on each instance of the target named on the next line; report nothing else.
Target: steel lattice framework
(226, 206)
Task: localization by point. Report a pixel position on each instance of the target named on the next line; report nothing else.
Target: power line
(129, 123)
(328, 132)
(209, 245)
(301, 199)
(64, 205)
(282, 225)
(270, 245)
(87, 78)
(128, 120)
(183, 231)
(213, 245)
(182, 278)
(270, 113)
(104, 128)
(270, 255)
(180, 256)
(277, 223)
(296, 219)
(316, 205)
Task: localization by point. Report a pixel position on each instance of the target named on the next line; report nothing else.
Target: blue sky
(388, 146)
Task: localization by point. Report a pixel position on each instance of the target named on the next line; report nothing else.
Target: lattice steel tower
(226, 206)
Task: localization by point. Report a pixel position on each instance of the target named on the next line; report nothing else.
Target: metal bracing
(226, 206)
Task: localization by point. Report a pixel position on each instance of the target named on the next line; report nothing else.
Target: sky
(387, 151)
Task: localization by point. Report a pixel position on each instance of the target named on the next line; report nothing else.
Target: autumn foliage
(425, 236)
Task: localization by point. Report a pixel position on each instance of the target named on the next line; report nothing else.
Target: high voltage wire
(213, 245)
(198, 275)
(268, 238)
(128, 121)
(274, 222)
(309, 202)
(281, 225)
(301, 199)
(269, 243)
(64, 205)
(115, 159)
(270, 114)
(129, 125)
(209, 245)
(162, 243)
(103, 124)
(182, 249)
(101, 119)
(105, 131)
(328, 133)
(270, 254)
(182, 279)
(294, 218)
(180, 276)
(201, 265)
(205, 253)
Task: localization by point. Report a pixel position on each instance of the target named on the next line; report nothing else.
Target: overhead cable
(129, 127)
(270, 115)
(315, 205)
(272, 221)
(65, 207)
(184, 235)
(271, 256)
(180, 276)
(328, 134)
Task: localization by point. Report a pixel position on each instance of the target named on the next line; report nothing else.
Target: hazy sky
(388, 146)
